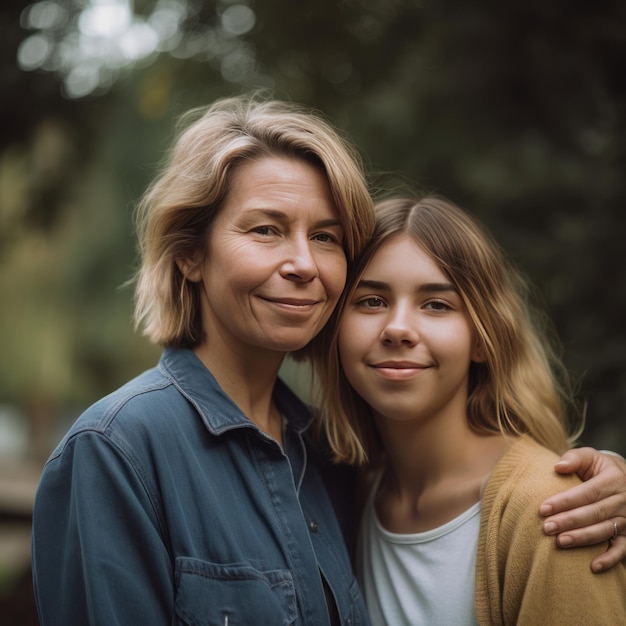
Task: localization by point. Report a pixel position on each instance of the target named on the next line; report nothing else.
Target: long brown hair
(521, 387)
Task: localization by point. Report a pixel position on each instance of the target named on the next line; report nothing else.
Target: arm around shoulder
(590, 513)
(522, 575)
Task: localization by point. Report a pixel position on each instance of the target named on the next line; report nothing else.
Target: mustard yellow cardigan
(522, 577)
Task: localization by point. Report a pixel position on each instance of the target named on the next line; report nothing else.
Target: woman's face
(405, 339)
(275, 265)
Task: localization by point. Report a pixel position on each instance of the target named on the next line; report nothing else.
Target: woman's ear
(190, 268)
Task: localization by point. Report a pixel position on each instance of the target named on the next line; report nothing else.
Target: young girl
(444, 383)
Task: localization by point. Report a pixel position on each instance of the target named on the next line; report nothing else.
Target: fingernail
(597, 567)
(565, 541)
(550, 527)
(545, 509)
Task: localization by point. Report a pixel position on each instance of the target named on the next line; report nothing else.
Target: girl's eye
(438, 306)
(372, 302)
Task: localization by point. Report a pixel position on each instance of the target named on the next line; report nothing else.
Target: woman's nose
(300, 263)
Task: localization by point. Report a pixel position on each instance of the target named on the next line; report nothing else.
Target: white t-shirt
(424, 579)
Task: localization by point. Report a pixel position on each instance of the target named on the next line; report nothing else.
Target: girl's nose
(401, 328)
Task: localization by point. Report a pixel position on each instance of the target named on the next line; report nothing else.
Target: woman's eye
(325, 237)
(264, 230)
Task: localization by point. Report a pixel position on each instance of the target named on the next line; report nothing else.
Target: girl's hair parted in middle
(521, 387)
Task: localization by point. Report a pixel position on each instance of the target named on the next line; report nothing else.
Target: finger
(587, 515)
(610, 558)
(602, 532)
(583, 461)
(578, 496)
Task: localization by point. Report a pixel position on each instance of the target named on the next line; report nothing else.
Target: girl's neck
(434, 471)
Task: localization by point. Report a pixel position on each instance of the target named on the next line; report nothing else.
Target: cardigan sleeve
(522, 577)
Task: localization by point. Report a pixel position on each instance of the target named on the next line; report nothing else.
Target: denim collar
(219, 413)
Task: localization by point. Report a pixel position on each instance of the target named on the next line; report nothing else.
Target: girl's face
(275, 264)
(405, 338)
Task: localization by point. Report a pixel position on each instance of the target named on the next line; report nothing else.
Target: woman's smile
(275, 266)
(294, 305)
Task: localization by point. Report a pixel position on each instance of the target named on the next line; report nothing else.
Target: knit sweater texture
(522, 577)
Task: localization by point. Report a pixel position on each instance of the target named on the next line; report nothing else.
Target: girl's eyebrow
(372, 284)
(424, 288)
(437, 288)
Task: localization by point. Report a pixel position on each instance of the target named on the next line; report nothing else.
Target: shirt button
(313, 526)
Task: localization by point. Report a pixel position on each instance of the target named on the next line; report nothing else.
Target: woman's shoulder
(134, 399)
(139, 403)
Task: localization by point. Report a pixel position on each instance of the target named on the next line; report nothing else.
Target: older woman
(192, 495)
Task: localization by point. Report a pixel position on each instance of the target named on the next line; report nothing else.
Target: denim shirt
(164, 504)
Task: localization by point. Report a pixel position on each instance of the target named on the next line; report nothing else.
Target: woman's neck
(249, 381)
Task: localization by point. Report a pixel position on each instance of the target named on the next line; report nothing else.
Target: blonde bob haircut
(521, 387)
(179, 207)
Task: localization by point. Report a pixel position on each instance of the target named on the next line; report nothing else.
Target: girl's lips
(399, 365)
(399, 370)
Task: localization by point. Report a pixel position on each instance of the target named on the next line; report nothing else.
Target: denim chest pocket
(232, 595)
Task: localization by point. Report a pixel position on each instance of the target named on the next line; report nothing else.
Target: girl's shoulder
(525, 475)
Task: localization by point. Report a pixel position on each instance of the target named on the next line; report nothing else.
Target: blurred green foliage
(515, 110)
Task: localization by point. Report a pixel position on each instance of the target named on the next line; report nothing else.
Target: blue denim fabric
(165, 505)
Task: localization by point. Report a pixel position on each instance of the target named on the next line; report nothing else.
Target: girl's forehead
(402, 257)
(401, 249)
